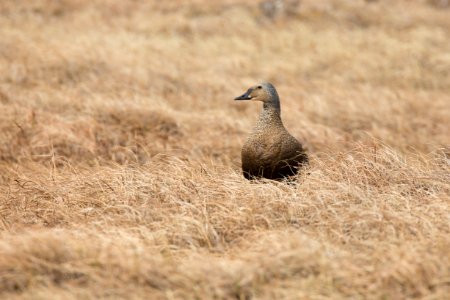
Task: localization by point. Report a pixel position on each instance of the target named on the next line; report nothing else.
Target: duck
(270, 151)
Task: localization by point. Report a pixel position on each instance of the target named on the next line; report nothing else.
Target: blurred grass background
(120, 149)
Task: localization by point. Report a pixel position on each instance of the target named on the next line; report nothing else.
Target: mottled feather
(270, 151)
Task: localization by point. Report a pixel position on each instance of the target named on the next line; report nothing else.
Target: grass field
(120, 150)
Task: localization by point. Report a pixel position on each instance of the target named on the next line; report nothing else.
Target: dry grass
(120, 150)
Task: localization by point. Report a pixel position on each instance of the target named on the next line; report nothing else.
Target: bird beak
(245, 96)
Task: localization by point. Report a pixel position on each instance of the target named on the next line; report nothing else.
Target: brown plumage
(270, 151)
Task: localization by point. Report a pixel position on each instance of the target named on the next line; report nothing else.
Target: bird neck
(270, 116)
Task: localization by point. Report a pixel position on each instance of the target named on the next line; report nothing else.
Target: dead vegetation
(120, 150)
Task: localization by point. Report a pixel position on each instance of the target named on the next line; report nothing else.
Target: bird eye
(259, 87)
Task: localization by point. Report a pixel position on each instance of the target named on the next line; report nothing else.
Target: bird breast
(269, 148)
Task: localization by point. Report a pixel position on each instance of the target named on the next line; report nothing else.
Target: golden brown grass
(120, 150)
